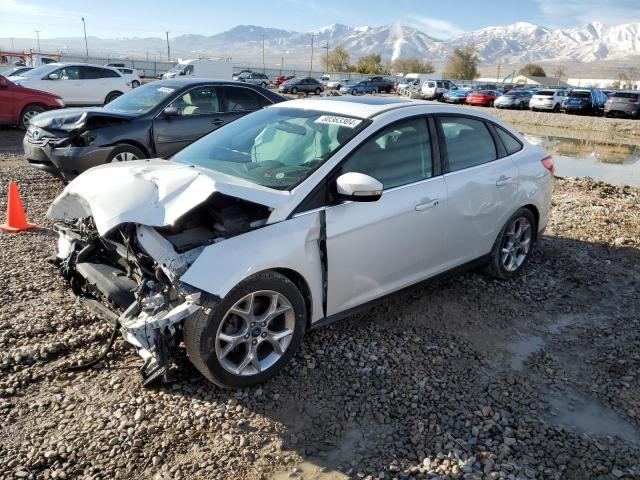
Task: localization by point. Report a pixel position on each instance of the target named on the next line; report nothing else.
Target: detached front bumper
(65, 162)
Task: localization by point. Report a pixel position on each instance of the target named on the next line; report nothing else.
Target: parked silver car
(301, 84)
(292, 217)
(254, 78)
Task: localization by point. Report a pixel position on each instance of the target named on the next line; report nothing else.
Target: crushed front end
(144, 294)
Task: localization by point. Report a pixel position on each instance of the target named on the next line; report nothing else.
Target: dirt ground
(471, 378)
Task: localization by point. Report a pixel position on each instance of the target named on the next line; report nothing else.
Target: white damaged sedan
(294, 216)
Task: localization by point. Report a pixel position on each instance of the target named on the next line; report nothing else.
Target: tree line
(462, 64)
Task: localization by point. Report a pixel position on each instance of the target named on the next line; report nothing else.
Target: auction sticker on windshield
(343, 121)
(166, 89)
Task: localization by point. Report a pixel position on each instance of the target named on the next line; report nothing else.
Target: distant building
(544, 82)
(604, 83)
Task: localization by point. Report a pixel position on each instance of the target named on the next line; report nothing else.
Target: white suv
(292, 217)
(78, 84)
(434, 89)
(547, 99)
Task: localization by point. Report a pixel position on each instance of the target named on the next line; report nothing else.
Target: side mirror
(3, 82)
(53, 76)
(172, 112)
(358, 187)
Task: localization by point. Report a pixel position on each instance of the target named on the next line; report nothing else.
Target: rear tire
(294, 90)
(209, 335)
(318, 91)
(28, 113)
(135, 84)
(112, 96)
(354, 92)
(512, 249)
(556, 108)
(125, 153)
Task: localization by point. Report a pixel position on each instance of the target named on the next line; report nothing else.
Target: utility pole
(168, 48)
(281, 64)
(13, 46)
(498, 76)
(263, 65)
(37, 35)
(86, 45)
(311, 63)
(327, 63)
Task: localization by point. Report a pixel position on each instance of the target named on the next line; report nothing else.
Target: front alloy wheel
(249, 335)
(255, 333)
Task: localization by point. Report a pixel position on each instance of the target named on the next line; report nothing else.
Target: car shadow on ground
(428, 375)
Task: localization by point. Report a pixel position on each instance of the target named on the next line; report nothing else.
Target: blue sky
(118, 18)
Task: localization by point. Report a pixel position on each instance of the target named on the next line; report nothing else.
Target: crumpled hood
(150, 192)
(75, 118)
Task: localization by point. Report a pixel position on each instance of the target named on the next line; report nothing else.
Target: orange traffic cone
(16, 218)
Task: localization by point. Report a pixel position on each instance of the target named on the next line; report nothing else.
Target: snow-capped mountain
(518, 43)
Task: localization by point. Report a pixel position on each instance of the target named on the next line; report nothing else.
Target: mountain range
(516, 44)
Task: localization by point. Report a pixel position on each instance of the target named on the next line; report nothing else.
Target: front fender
(291, 244)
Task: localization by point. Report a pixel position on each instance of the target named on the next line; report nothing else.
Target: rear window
(632, 96)
(545, 93)
(580, 94)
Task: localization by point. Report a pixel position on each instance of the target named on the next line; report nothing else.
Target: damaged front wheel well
(299, 281)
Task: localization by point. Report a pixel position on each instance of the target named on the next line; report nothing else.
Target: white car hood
(150, 192)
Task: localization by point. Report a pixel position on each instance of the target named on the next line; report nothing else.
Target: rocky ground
(472, 378)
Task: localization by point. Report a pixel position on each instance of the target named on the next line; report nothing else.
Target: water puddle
(615, 163)
(589, 416)
(522, 349)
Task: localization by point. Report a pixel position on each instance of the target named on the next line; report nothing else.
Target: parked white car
(548, 99)
(434, 89)
(78, 84)
(131, 75)
(292, 217)
(201, 68)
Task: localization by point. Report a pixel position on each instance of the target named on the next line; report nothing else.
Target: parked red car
(18, 105)
(483, 98)
(280, 79)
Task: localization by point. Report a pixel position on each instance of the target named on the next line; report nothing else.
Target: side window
(188, 70)
(398, 155)
(199, 101)
(468, 141)
(106, 73)
(511, 143)
(242, 100)
(69, 73)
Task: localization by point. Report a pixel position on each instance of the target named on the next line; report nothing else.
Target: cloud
(571, 12)
(21, 8)
(434, 27)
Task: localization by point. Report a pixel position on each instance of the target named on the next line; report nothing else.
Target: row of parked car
(592, 101)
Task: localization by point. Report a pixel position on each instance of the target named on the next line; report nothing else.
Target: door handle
(503, 181)
(427, 205)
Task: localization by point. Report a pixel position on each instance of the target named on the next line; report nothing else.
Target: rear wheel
(512, 249)
(318, 91)
(556, 108)
(125, 153)
(490, 104)
(250, 335)
(28, 113)
(112, 96)
(263, 84)
(294, 90)
(135, 84)
(354, 92)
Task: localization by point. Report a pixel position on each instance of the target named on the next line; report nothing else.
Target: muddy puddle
(612, 162)
(585, 415)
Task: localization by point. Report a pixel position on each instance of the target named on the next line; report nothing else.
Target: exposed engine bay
(134, 271)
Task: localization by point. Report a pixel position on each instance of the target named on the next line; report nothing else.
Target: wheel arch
(302, 285)
(536, 216)
(134, 143)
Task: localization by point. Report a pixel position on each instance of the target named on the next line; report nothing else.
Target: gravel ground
(472, 378)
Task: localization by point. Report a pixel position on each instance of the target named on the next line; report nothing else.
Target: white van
(202, 68)
(413, 80)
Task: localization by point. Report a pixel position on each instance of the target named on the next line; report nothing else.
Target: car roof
(363, 107)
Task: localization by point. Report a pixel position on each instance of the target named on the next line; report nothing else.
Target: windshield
(38, 72)
(140, 100)
(177, 68)
(273, 147)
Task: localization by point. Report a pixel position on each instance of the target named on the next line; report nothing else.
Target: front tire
(28, 113)
(112, 96)
(135, 84)
(250, 335)
(294, 90)
(512, 249)
(318, 91)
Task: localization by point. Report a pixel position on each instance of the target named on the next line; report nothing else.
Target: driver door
(375, 248)
(199, 111)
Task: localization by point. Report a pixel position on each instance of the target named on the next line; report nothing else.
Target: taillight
(548, 164)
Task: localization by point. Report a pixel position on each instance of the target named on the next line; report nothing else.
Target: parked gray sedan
(302, 84)
(513, 99)
(623, 104)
